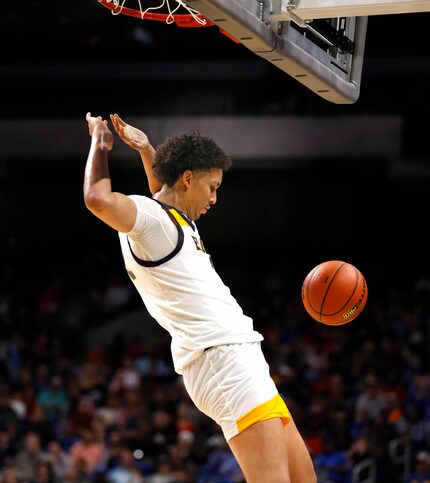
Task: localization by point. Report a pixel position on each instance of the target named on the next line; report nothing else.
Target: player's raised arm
(139, 141)
(115, 209)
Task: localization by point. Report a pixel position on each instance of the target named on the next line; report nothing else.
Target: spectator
(38, 423)
(7, 414)
(59, 460)
(127, 471)
(17, 403)
(45, 473)
(332, 464)
(54, 399)
(41, 378)
(419, 428)
(372, 400)
(9, 359)
(156, 418)
(360, 450)
(78, 472)
(27, 459)
(110, 410)
(421, 472)
(221, 466)
(92, 377)
(186, 417)
(127, 377)
(112, 450)
(117, 294)
(134, 408)
(87, 449)
(164, 472)
(27, 389)
(8, 447)
(82, 416)
(164, 431)
(183, 457)
(9, 475)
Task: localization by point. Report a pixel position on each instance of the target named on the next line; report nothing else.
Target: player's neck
(171, 197)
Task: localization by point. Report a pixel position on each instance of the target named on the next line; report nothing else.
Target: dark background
(61, 59)
(47, 44)
(62, 281)
(50, 45)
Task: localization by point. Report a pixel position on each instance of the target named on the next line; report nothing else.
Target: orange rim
(180, 19)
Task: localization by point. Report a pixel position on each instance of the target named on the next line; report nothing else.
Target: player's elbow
(94, 201)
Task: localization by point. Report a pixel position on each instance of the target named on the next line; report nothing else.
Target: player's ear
(186, 178)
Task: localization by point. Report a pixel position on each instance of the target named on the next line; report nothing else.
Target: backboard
(320, 43)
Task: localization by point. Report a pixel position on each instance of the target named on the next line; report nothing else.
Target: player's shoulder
(143, 201)
(142, 198)
(148, 214)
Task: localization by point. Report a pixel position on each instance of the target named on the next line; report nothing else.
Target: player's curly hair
(190, 150)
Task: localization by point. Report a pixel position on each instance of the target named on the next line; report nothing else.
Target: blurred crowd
(116, 412)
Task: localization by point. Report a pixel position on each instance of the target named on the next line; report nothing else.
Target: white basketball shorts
(232, 385)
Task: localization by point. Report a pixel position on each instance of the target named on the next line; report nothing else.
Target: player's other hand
(99, 128)
(132, 136)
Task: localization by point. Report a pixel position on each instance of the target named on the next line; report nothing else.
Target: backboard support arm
(303, 11)
(330, 71)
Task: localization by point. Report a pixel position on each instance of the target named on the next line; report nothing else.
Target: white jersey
(168, 264)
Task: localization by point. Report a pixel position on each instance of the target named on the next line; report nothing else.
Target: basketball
(334, 292)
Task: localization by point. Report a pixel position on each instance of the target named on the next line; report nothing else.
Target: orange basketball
(334, 292)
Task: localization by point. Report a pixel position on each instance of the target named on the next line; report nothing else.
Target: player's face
(203, 191)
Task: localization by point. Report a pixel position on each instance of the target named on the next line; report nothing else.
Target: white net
(169, 8)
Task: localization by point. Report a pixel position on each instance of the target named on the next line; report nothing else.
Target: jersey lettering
(199, 244)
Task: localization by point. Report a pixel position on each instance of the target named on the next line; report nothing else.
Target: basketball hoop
(168, 13)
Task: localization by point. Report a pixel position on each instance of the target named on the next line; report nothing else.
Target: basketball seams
(306, 288)
(321, 313)
(363, 300)
(358, 312)
(308, 280)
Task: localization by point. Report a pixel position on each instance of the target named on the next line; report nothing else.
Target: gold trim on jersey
(178, 217)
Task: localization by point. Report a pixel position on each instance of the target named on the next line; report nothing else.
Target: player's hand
(99, 128)
(132, 136)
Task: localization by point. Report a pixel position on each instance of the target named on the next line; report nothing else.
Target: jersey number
(199, 244)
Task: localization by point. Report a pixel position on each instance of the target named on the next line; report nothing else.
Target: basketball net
(191, 19)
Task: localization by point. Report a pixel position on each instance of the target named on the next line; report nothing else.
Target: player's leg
(232, 385)
(261, 452)
(269, 451)
(300, 464)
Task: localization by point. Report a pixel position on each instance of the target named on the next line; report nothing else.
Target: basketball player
(213, 343)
